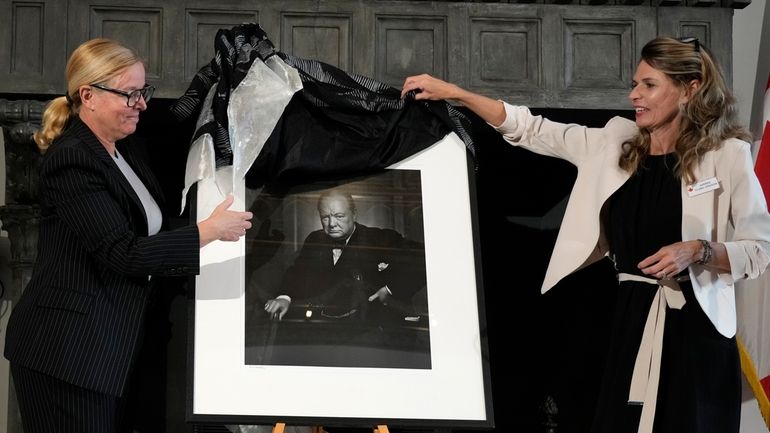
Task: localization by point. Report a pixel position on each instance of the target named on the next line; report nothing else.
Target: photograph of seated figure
(335, 276)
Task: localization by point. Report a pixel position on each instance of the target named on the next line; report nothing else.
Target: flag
(753, 296)
(762, 164)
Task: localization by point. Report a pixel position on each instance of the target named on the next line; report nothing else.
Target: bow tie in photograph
(339, 244)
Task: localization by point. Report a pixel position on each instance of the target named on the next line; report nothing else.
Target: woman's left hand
(671, 259)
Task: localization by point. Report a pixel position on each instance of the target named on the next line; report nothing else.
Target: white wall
(751, 66)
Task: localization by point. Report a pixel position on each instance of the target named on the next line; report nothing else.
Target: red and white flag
(762, 164)
(753, 297)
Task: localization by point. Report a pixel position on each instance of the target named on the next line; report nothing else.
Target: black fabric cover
(236, 49)
(338, 125)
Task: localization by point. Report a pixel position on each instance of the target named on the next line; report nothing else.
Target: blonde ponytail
(55, 118)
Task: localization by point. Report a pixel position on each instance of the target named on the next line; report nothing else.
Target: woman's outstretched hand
(224, 224)
(430, 88)
(427, 87)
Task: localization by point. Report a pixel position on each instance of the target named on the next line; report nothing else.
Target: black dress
(700, 386)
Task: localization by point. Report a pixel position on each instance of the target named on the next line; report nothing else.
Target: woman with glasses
(75, 336)
(673, 200)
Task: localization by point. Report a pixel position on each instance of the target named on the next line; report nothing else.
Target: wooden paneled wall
(562, 54)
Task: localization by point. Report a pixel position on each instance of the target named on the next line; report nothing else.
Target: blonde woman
(74, 337)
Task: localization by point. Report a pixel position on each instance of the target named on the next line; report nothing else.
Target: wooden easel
(280, 426)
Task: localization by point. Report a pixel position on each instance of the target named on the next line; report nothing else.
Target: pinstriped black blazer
(80, 317)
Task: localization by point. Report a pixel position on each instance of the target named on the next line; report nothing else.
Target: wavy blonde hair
(94, 61)
(708, 118)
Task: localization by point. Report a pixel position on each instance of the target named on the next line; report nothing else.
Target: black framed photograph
(356, 301)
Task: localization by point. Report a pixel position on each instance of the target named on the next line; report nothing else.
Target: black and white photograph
(401, 309)
(335, 275)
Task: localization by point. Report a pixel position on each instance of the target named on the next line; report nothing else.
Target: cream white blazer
(734, 214)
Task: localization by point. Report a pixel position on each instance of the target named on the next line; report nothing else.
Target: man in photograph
(347, 271)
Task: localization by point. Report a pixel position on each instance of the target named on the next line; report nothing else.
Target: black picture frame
(450, 387)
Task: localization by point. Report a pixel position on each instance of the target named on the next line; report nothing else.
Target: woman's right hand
(224, 224)
(427, 87)
(430, 87)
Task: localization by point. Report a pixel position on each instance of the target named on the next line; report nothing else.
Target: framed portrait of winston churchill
(356, 301)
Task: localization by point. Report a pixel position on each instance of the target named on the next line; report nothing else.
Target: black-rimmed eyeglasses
(691, 40)
(132, 98)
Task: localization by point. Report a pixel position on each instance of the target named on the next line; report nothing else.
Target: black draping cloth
(236, 49)
(338, 125)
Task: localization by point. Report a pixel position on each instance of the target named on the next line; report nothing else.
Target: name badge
(703, 186)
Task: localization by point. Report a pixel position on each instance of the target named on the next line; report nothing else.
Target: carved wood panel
(543, 54)
(140, 29)
(326, 37)
(32, 50)
(409, 44)
(154, 29)
(598, 55)
(507, 53)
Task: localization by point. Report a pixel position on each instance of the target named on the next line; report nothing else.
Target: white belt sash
(646, 375)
